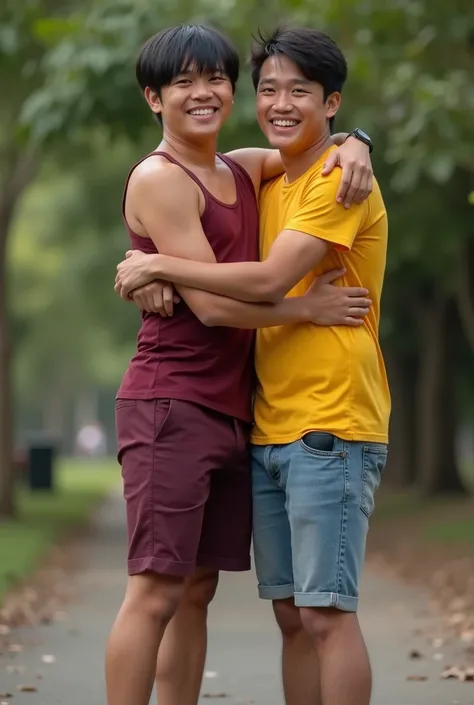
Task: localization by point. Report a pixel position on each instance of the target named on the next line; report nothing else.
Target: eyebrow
(293, 81)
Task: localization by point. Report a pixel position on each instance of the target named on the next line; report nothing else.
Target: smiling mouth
(284, 122)
(202, 112)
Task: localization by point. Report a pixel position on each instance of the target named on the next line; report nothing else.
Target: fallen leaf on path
(48, 658)
(60, 616)
(6, 695)
(15, 648)
(210, 674)
(458, 673)
(4, 630)
(216, 695)
(468, 636)
(417, 678)
(27, 689)
(438, 657)
(15, 669)
(414, 654)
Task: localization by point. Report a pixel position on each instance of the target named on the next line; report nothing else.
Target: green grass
(44, 518)
(453, 531)
(441, 519)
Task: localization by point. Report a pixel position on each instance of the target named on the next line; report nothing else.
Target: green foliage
(411, 85)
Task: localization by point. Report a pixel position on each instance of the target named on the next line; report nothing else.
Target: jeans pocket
(374, 460)
(319, 443)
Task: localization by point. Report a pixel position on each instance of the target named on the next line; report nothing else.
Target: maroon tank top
(179, 357)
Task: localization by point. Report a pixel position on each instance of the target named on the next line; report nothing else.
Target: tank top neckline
(226, 160)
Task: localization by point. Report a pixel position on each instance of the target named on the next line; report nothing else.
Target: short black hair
(175, 49)
(317, 56)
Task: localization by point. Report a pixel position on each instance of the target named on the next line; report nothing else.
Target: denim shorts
(312, 500)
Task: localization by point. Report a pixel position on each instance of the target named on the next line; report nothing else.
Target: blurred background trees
(72, 122)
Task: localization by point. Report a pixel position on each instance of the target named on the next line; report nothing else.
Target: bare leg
(299, 659)
(182, 652)
(346, 677)
(150, 602)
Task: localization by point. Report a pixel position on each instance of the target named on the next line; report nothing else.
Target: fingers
(167, 296)
(128, 254)
(365, 186)
(345, 183)
(355, 292)
(359, 311)
(353, 188)
(353, 322)
(330, 163)
(359, 302)
(140, 300)
(331, 276)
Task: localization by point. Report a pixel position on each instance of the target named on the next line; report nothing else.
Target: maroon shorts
(186, 476)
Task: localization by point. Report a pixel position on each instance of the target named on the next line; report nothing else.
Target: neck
(202, 154)
(296, 164)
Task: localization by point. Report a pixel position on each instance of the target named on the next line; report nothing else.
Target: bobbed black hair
(176, 49)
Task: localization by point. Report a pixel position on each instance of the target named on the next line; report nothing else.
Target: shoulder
(158, 173)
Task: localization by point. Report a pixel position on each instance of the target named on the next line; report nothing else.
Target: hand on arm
(353, 157)
(155, 297)
(166, 204)
(324, 304)
(309, 234)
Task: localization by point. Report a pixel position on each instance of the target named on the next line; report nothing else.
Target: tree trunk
(401, 467)
(21, 170)
(465, 290)
(435, 404)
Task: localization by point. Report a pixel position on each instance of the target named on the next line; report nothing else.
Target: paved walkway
(244, 644)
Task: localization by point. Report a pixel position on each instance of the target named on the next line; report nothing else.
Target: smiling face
(194, 105)
(291, 110)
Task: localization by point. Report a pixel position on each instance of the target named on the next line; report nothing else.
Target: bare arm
(324, 304)
(297, 250)
(165, 202)
(352, 156)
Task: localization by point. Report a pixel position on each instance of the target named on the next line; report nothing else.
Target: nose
(202, 89)
(282, 103)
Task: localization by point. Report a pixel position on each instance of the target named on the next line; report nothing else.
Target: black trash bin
(41, 456)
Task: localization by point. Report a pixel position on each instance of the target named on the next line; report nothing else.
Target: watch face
(363, 134)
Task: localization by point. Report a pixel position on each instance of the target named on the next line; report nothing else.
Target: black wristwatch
(363, 137)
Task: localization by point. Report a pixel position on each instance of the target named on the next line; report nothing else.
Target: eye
(266, 90)
(182, 82)
(300, 90)
(216, 79)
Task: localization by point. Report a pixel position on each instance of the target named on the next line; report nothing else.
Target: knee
(156, 595)
(321, 622)
(200, 589)
(288, 617)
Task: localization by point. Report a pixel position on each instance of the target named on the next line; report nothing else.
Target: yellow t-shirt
(324, 378)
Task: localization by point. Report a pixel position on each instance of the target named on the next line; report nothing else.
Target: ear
(153, 100)
(333, 103)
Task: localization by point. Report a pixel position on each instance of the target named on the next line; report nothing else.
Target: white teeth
(202, 111)
(285, 123)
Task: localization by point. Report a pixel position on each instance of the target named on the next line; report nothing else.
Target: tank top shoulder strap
(170, 159)
(238, 171)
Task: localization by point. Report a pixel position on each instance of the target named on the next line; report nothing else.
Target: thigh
(227, 525)
(271, 528)
(327, 502)
(166, 474)
(317, 491)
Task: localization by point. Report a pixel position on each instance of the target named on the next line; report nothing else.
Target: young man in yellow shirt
(322, 405)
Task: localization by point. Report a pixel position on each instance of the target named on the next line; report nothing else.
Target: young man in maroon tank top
(184, 407)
